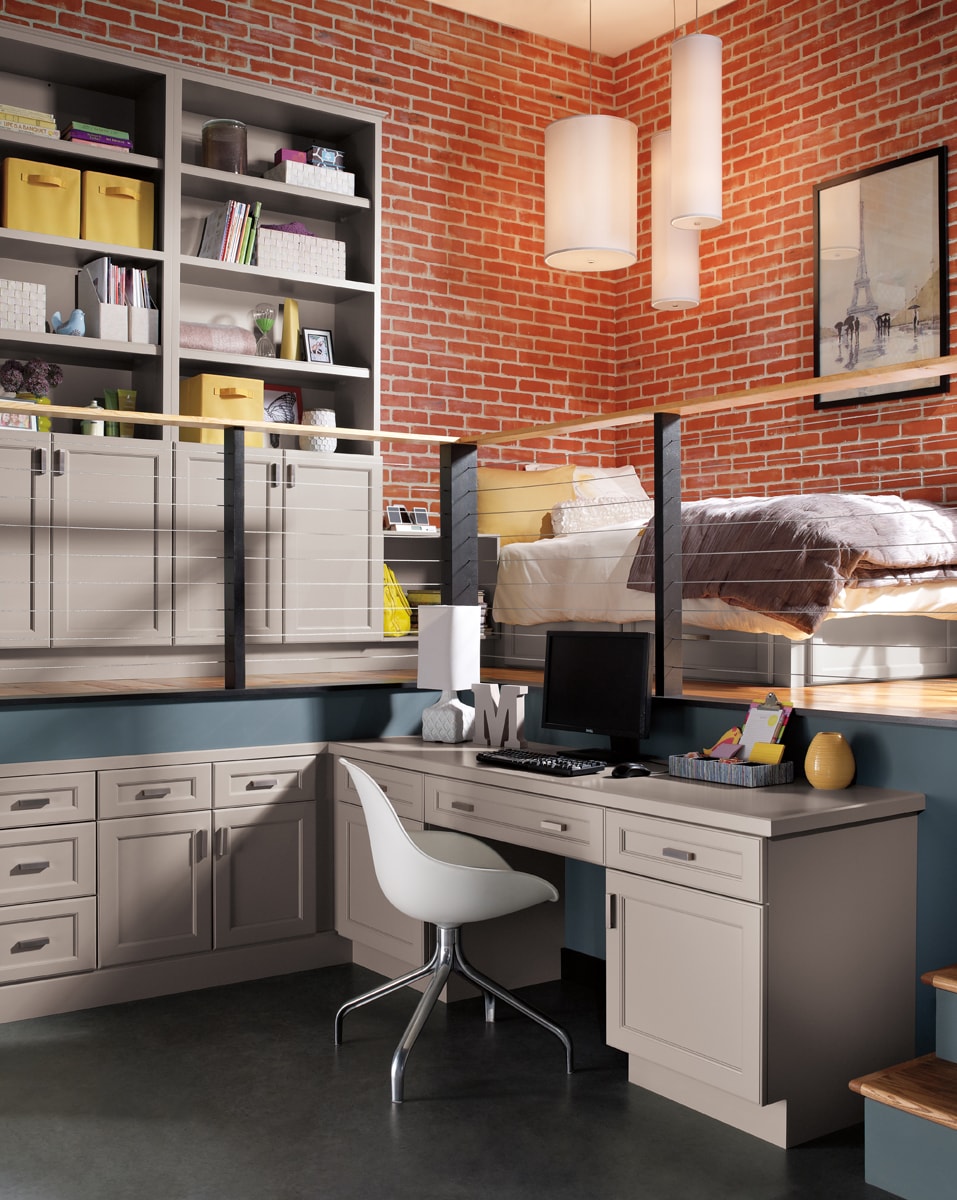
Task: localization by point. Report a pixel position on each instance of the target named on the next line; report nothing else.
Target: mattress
(584, 578)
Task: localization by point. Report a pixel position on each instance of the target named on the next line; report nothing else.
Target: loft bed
(787, 590)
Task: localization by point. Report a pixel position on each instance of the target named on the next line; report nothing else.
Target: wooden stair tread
(925, 1087)
(945, 979)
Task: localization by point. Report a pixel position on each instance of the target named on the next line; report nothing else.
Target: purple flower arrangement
(35, 377)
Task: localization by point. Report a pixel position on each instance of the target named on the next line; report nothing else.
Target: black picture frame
(317, 346)
(880, 275)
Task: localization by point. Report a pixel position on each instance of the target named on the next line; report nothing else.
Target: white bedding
(584, 577)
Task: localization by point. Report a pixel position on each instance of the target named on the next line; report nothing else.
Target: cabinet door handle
(157, 793)
(30, 868)
(262, 785)
(553, 826)
(199, 845)
(463, 806)
(39, 461)
(59, 462)
(611, 910)
(274, 474)
(290, 475)
(222, 841)
(32, 802)
(27, 944)
(681, 855)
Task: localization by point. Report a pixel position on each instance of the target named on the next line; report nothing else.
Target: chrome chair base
(448, 957)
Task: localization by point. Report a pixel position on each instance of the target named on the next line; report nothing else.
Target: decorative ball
(829, 762)
(318, 416)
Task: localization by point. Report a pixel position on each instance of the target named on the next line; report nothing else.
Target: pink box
(290, 156)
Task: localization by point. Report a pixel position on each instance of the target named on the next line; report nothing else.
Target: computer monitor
(599, 682)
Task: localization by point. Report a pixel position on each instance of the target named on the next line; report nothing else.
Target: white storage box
(297, 252)
(23, 306)
(325, 179)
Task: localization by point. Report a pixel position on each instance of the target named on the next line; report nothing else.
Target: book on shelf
(97, 139)
(19, 126)
(214, 231)
(33, 113)
(237, 220)
(250, 246)
(102, 130)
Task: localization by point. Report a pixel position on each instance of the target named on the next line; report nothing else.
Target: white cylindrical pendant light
(696, 131)
(591, 193)
(839, 225)
(674, 252)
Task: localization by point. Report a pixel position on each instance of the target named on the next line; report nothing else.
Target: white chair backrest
(430, 889)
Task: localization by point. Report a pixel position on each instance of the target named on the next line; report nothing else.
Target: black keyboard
(541, 764)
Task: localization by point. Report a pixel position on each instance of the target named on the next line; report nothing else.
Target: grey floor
(238, 1093)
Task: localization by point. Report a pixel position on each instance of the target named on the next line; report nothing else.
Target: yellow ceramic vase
(829, 762)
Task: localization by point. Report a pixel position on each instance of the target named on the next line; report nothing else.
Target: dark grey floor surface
(238, 1093)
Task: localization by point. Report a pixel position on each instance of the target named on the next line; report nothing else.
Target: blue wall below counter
(889, 753)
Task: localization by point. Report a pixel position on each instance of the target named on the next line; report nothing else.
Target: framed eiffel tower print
(880, 275)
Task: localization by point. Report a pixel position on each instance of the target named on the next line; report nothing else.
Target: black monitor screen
(599, 682)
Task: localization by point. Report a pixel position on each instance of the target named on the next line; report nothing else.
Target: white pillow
(608, 483)
(584, 515)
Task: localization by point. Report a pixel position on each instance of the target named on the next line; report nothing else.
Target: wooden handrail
(773, 393)
(32, 409)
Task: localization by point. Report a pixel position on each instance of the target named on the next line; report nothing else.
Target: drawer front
(47, 864)
(522, 818)
(47, 799)
(264, 781)
(149, 791)
(728, 864)
(404, 788)
(54, 938)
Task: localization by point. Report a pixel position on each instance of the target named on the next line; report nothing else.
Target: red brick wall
(479, 335)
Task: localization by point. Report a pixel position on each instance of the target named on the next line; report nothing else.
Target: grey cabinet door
(198, 576)
(111, 542)
(686, 981)
(24, 541)
(333, 586)
(155, 887)
(265, 873)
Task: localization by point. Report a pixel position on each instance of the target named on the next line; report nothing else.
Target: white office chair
(447, 879)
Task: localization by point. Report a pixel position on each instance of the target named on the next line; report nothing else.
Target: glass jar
(224, 146)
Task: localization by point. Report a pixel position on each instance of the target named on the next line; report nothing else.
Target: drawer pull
(157, 793)
(553, 826)
(30, 868)
(681, 855)
(262, 785)
(463, 806)
(222, 842)
(32, 802)
(30, 944)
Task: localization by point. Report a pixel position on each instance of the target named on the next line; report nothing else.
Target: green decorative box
(714, 770)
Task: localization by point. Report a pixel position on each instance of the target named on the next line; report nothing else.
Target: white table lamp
(449, 659)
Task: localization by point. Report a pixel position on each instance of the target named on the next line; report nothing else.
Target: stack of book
(28, 120)
(229, 234)
(100, 135)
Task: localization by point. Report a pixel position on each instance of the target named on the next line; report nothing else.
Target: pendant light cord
(591, 106)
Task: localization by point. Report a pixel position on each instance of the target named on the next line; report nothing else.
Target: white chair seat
(448, 880)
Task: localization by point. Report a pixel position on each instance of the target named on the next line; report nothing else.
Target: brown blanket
(790, 556)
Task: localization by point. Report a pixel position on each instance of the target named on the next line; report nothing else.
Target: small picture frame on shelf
(317, 345)
(282, 405)
(12, 420)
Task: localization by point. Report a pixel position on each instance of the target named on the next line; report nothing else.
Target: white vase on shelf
(322, 443)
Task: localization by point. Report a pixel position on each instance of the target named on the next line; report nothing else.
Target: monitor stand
(622, 749)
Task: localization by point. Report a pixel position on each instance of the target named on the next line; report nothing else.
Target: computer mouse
(627, 770)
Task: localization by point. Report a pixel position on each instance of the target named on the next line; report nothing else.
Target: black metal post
(669, 677)
(458, 507)
(234, 556)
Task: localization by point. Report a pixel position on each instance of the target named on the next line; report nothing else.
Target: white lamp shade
(674, 252)
(591, 193)
(696, 131)
(449, 646)
(839, 216)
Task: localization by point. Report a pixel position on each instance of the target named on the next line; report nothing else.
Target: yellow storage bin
(117, 210)
(220, 396)
(41, 198)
